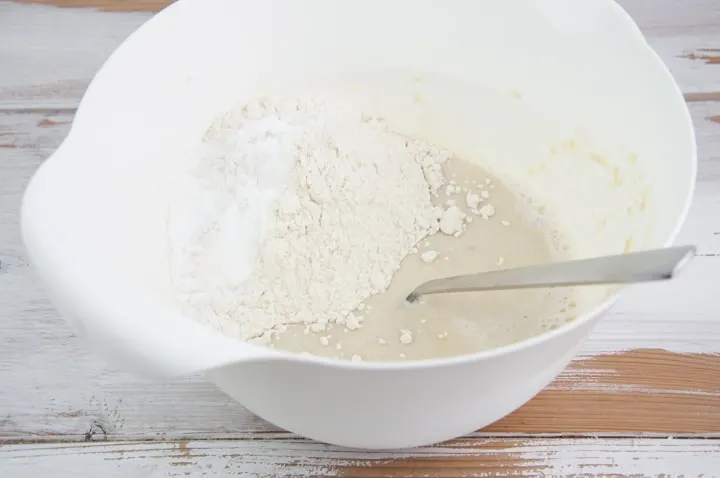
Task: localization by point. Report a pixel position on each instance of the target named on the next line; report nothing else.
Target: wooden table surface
(643, 398)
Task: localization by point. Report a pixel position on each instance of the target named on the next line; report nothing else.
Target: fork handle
(633, 267)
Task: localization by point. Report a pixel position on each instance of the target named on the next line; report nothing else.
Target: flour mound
(295, 211)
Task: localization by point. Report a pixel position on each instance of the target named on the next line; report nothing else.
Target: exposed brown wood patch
(183, 447)
(710, 56)
(714, 118)
(50, 122)
(626, 393)
(284, 456)
(107, 5)
(702, 96)
(651, 371)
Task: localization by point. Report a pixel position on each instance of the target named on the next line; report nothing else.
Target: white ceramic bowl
(550, 75)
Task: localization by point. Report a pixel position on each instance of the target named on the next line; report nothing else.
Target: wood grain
(107, 5)
(291, 457)
(674, 29)
(634, 387)
(651, 368)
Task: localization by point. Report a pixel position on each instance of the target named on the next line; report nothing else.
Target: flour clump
(295, 211)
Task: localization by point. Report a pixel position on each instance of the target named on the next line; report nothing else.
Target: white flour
(295, 211)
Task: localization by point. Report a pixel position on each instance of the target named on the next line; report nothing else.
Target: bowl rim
(594, 313)
(259, 352)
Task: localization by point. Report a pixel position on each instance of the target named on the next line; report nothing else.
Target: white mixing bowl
(562, 98)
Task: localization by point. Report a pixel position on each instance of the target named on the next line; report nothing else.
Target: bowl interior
(566, 102)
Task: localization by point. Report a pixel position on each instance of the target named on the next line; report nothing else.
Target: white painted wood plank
(301, 458)
(673, 17)
(683, 54)
(41, 45)
(54, 387)
(57, 50)
(677, 29)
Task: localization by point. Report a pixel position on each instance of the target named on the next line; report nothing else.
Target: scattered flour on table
(295, 211)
